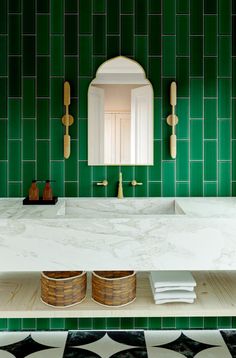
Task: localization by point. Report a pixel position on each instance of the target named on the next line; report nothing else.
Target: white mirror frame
(122, 70)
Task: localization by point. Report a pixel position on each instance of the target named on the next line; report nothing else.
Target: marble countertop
(106, 234)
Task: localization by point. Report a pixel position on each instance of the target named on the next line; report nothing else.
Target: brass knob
(103, 183)
(135, 183)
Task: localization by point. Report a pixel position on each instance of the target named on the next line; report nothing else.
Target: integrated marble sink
(113, 207)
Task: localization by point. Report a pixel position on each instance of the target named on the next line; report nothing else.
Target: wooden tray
(54, 200)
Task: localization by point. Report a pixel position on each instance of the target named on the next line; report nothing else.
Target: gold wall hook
(172, 119)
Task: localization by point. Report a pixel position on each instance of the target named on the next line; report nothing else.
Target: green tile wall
(44, 42)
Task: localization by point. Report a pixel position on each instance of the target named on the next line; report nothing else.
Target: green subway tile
(182, 322)
(234, 118)
(71, 323)
(182, 161)
(14, 324)
(155, 323)
(126, 322)
(28, 176)
(210, 189)
(224, 17)
(157, 118)
(141, 46)
(113, 323)
(83, 90)
(57, 55)
(154, 6)
(224, 97)
(3, 139)
(3, 179)
(155, 74)
(113, 46)
(71, 38)
(127, 34)
(233, 322)
(71, 189)
(3, 17)
(85, 59)
(57, 131)
(58, 174)
(14, 119)
(141, 176)
(196, 98)
(99, 323)
(43, 324)
(72, 6)
(196, 179)
(99, 35)
(225, 62)
(127, 6)
(196, 322)
(140, 17)
(100, 191)
(85, 16)
(43, 118)
(14, 35)
(29, 56)
(196, 142)
(99, 173)
(182, 112)
(210, 322)
(196, 53)
(3, 324)
(166, 108)
(166, 147)
(155, 170)
(113, 11)
(210, 77)
(74, 113)
(182, 6)
(224, 174)
(71, 75)
(224, 141)
(97, 61)
(182, 76)
(83, 144)
(28, 98)
(168, 322)
(154, 189)
(3, 97)
(42, 6)
(154, 36)
(234, 189)
(182, 39)
(28, 139)
(14, 160)
(169, 17)
(57, 23)
(15, 190)
(233, 160)
(210, 7)
(210, 160)
(182, 189)
(42, 159)
(210, 35)
(169, 67)
(141, 322)
(3, 57)
(224, 322)
(85, 323)
(210, 119)
(196, 17)
(168, 178)
(234, 77)
(14, 6)
(112, 177)
(99, 6)
(84, 179)
(57, 97)
(43, 76)
(14, 77)
(28, 16)
(57, 323)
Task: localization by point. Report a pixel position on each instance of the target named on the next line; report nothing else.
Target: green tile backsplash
(44, 42)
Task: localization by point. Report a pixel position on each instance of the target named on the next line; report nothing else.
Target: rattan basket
(114, 288)
(63, 288)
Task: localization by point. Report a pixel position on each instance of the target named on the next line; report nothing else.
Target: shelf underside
(216, 296)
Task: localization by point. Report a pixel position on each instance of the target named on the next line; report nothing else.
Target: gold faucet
(120, 188)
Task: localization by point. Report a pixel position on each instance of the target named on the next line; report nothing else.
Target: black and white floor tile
(119, 344)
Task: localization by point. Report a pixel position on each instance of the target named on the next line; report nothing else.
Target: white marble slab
(84, 234)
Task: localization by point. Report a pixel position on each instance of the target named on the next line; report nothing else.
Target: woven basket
(63, 288)
(114, 288)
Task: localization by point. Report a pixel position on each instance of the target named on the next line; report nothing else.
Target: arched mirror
(120, 115)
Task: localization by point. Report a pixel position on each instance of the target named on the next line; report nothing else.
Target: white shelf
(216, 296)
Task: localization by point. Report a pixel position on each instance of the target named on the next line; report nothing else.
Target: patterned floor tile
(229, 337)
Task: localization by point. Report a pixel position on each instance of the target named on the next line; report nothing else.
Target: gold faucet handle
(103, 183)
(135, 183)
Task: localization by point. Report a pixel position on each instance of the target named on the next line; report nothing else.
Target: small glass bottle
(47, 191)
(34, 191)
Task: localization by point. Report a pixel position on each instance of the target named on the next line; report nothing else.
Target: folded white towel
(180, 300)
(172, 278)
(174, 288)
(176, 294)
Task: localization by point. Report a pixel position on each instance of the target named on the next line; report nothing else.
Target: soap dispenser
(34, 191)
(47, 191)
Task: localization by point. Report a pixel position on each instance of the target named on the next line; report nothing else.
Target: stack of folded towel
(172, 286)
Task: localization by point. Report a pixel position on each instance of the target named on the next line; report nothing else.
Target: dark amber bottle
(34, 191)
(47, 191)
